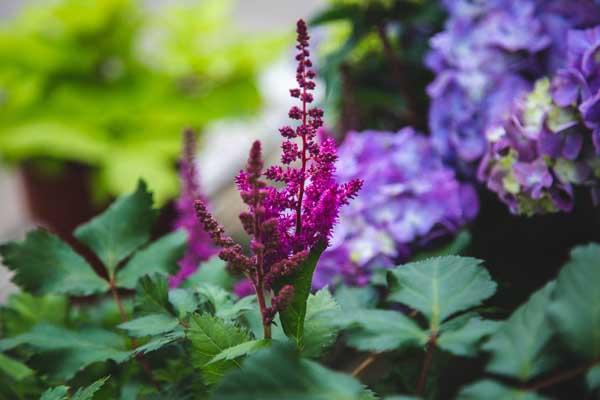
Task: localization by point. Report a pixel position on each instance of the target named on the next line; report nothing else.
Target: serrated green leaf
(575, 306)
(223, 303)
(161, 341)
(319, 333)
(87, 393)
(439, 287)
(380, 330)
(240, 350)
(152, 295)
(57, 393)
(491, 390)
(150, 325)
(184, 301)
(518, 348)
(292, 318)
(72, 351)
(44, 264)
(209, 336)
(212, 272)
(121, 229)
(160, 257)
(461, 335)
(278, 372)
(13, 368)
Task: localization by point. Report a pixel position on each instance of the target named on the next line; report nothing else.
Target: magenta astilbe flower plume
(289, 220)
(200, 247)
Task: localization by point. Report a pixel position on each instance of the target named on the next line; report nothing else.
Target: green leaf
(212, 272)
(240, 350)
(319, 333)
(455, 247)
(159, 257)
(223, 303)
(184, 301)
(491, 390)
(461, 335)
(70, 350)
(210, 336)
(23, 311)
(161, 341)
(439, 287)
(278, 372)
(57, 393)
(13, 368)
(592, 378)
(575, 306)
(351, 298)
(292, 318)
(88, 392)
(150, 325)
(121, 229)
(44, 264)
(380, 330)
(519, 347)
(152, 295)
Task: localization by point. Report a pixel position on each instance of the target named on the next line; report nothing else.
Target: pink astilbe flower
(200, 247)
(289, 220)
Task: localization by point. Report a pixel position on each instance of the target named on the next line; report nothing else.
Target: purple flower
(288, 220)
(199, 246)
(490, 53)
(409, 198)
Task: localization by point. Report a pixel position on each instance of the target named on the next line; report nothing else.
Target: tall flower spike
(199, 246)
(289, 220)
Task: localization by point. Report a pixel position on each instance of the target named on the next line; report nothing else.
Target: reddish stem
(561, 376)
(304, 159)
(431, 343)
(365, 364)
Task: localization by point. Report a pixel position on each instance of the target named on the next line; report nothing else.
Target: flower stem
(431, 343)
(365, 364)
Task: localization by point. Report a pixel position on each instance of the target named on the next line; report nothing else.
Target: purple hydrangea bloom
(408, 199)
(537, 156)
(200, 247)
(490, 53)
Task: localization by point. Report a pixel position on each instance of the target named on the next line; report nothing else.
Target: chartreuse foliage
(117, 331)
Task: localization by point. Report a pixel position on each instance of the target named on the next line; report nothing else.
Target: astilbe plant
(199, 247)
(289, 220)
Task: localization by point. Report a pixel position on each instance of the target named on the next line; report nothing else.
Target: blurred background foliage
(109, 84)
(373, 63)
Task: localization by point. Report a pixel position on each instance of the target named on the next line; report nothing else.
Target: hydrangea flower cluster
(409, 199)
(199, 247)
(296, 215)
(489, 53)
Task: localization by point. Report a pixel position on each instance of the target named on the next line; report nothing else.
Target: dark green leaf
(242, 349)
(461, 335)
(518, 348)
(319, 333)
(352, 298)
(88, 392)
(121, 229)
(593, 378)
(278, 372)
(152, 295)
(45, 264)
(440, 287)
(575, 306)
(57, 393)
(210, 336)
(161, 341)
(150, 325)
(292, 318)
(72, 351)
(159, 257)
(13, 368)
(456, 247)
(490, 390)
(380, 330)
(212, 272)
